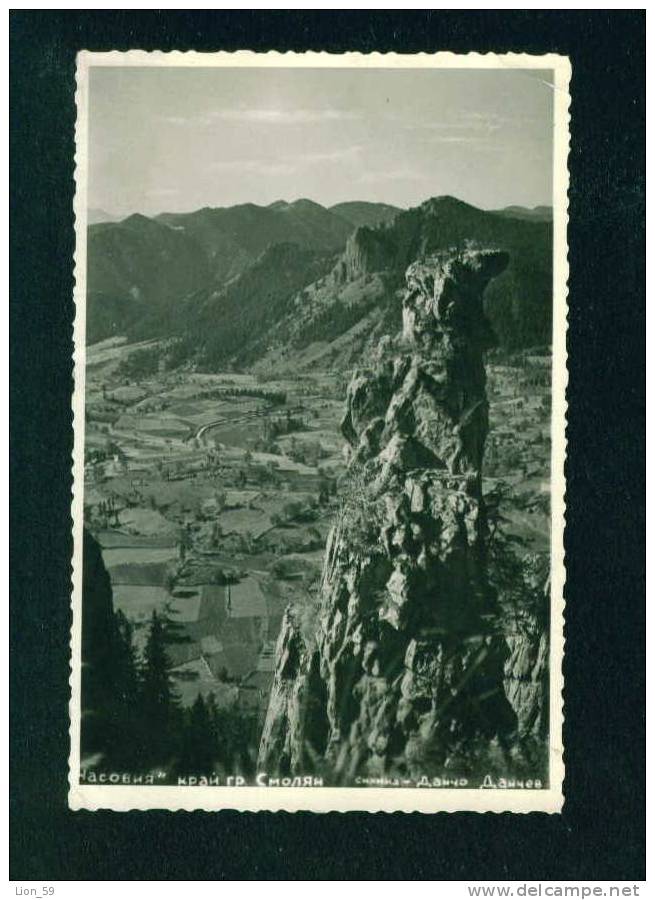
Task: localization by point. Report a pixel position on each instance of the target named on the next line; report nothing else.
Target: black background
(600, 834)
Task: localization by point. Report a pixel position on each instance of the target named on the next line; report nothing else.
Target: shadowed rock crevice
(409, 669)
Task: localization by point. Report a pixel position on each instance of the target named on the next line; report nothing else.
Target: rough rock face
(365, 252)
(526, 667)
(526, 682)
(405, 673)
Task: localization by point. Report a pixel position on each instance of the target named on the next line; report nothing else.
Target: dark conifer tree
(126, 665)
(126, 709)
(159, 703)
(199, 750)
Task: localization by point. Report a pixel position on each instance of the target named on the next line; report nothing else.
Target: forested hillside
(250, 284)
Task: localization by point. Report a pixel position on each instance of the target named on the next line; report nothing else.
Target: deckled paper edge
(428, 800)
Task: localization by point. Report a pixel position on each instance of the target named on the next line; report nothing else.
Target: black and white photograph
(326, 455)
(319, 431)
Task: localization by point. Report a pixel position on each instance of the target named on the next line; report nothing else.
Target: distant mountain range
(140, 269)
(536, 214)
(296, 283)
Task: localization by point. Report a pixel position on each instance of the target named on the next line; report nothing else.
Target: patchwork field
(211, 509)
(212, 497)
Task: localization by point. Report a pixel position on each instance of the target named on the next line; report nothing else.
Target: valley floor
(211, 497)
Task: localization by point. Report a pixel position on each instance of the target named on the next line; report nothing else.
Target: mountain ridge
(363, 212)
(152, 277)
(371, 270)
(536, 213)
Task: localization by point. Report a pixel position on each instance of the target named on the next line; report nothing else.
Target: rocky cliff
(152, 278)
(404, 669)
(526, 667)
(339, 319)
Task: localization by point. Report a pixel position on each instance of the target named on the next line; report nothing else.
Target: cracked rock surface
(404, 672)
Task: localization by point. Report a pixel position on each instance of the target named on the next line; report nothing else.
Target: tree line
(132, 716)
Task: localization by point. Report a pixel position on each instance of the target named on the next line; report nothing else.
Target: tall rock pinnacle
(403, 672)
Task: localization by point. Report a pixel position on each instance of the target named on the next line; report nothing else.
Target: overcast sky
(165, 139)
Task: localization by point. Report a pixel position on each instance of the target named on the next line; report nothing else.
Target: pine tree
(159, 703)
(125, 712)
(199, 750)
(126, 665)
(236, 738)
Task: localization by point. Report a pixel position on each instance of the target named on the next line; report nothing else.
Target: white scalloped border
(124, 798)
